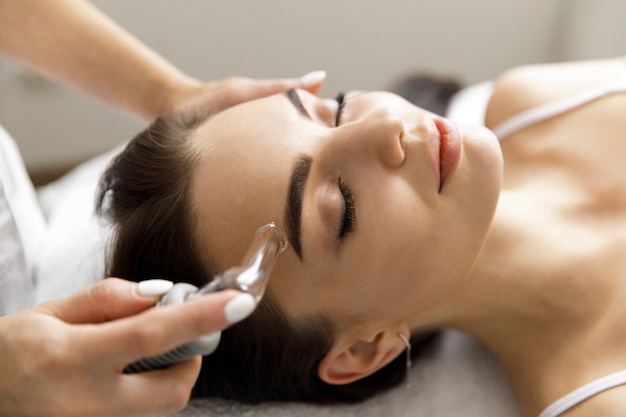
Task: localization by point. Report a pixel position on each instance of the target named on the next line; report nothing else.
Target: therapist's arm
(73, 42)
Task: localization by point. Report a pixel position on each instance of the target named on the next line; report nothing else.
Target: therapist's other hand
(212, 97)
(66, 357)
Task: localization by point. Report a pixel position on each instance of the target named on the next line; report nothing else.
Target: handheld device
(251, 276)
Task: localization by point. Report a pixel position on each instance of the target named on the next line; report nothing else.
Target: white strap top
(583, 393)
(554, 108)
(528, 118)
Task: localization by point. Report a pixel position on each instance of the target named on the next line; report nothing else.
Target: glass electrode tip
(250, 276)
(253, 273)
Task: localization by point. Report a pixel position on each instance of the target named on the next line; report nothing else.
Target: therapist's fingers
(239, 90)
(214, 97)
(161, 329)
(109, 299)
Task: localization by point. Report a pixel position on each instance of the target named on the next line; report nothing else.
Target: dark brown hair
(429, 92)
(268, 356)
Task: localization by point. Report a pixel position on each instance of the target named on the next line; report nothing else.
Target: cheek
(397, 215)
(398, 231)
(418, 247)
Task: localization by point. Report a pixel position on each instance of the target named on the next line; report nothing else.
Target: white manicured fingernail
(352, 93)
(239, 307)
(154, 287)
(312, 78)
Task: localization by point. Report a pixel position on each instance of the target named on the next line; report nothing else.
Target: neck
(508, 300)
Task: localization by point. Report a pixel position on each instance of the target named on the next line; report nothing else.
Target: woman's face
(385, 212)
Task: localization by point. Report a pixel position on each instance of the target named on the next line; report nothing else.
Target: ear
(351, 359)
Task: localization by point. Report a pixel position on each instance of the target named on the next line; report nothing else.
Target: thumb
(246, 89)
(311, 81)
(109, 299)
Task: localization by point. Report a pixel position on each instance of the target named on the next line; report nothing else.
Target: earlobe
(351, 360)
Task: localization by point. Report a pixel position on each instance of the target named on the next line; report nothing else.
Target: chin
(482, 146)
(482, 177)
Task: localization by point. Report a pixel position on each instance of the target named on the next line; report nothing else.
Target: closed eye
(348, 215)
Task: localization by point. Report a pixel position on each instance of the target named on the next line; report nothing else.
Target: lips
(449, 150)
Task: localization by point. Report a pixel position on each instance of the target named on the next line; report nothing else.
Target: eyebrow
(295, 197)
(294, 99)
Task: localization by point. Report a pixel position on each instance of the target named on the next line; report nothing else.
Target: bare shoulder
(524, 87)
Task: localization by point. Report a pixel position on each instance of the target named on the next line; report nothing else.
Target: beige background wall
(363, 44)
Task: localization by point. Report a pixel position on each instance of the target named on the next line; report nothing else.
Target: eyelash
(348, 218)
(341, 103)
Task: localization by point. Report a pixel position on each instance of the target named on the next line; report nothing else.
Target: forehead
(241, 179)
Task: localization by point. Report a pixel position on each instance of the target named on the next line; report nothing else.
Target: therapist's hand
(212, 97)
(66, 357)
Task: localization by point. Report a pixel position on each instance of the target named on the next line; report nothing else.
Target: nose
(378, 134)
